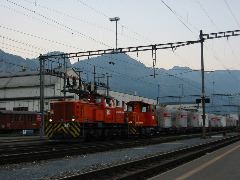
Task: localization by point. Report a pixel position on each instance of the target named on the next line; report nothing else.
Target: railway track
(7, 140)
(153, 165)
(49, 150)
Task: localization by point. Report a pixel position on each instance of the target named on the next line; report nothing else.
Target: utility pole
(116, 19)
(64, 78)
(79, 82)
(158, 93)
(42, 69)
(180, 97)
(94, 79)
(203, 87)
(213, 93)
(108, 84)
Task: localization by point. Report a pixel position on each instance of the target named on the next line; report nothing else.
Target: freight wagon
(16, 121)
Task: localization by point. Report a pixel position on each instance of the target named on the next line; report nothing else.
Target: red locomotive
(99, 116)
(95, 116)
(19, 120)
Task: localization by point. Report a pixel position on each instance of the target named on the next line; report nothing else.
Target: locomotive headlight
(50, 120)
(73, 118)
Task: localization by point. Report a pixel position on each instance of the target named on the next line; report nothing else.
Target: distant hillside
(131, 76)
(11, 63)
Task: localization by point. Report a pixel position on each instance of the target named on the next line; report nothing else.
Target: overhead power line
(175, 14)
(106, 16)
(39, 37)
(73, 31)
(230, 10)
(23, 43)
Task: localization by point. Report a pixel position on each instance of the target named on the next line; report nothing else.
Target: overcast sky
(31, 27)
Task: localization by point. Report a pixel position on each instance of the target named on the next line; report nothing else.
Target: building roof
(29, 79)
(26, 81)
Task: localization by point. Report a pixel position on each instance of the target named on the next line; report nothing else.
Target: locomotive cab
(141, 116)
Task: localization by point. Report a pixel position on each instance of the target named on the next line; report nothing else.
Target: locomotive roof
(17, 112)
(133, 102)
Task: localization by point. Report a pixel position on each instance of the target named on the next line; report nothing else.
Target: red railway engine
(98, 116)
(141, 118)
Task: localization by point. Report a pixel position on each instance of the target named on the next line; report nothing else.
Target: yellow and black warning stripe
(68, 129)
(132, 129)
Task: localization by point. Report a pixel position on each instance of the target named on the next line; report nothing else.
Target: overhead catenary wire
(175, 14)
(107, 16)
(233, 15)
(23, 43)
(69, 29)
(14, 50)
(40, 37)
(53, 10)
(17, 47)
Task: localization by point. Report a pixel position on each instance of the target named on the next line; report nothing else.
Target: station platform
(222, 164)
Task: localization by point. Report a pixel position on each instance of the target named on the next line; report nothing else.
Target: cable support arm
(123, 50)
(221, 34)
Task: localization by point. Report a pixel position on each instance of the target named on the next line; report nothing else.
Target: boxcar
(19, 120)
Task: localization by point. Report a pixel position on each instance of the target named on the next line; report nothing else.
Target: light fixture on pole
(116, 19)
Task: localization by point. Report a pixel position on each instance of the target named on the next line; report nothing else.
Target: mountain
(11, 63)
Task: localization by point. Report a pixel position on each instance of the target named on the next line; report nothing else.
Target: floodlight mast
(116, 19)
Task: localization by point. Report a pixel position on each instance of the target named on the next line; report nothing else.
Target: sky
(29, 28)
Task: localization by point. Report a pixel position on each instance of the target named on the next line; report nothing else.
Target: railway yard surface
(70, 165)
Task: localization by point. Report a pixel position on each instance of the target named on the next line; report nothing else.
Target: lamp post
(108, 76)
(116, 19)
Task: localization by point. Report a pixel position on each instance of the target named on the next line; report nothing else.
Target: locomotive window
(153, 108)
(130, 108)
(98, 100)
(109, 102)
(117, 102)
(144, 109)
(51, 106)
